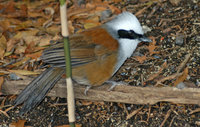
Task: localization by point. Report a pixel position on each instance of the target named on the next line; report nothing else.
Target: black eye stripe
(129, 34)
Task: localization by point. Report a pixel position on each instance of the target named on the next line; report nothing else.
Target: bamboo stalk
(70, 90)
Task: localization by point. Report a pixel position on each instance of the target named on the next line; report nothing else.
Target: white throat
(126, 48)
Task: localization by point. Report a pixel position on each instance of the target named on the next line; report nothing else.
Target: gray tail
(35, 92)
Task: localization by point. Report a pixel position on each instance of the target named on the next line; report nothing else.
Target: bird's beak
(145, 39)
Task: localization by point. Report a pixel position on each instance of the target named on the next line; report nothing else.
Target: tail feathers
(35, 92)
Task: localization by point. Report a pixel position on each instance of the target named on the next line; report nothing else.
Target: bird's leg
(114, 84)
(86, 89)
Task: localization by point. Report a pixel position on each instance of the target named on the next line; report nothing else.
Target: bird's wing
(54, 55)
(85, 47)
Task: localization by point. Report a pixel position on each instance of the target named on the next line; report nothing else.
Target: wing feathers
(84, 48)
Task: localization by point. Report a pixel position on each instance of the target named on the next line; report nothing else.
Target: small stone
(198, 83)
(146, 29)
(181, 85)
(180, 39)
(78, 117)
(173, 38)
(129, 108)
(123, 73)
(157, 57)
(13, 76)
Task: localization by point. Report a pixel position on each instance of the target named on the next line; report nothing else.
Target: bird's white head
(127, 30)
(126, 26)
(125, 21)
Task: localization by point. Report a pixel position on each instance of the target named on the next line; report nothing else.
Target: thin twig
(182, 65)
(166, 117)
(155, 75)
(58, 104)
(172, 121)
(124, 106)
(194, 111)
(133, 113)
(149, 112)
(168, 78)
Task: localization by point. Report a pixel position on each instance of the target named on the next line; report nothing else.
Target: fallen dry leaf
(44, 41)
(23, 25)
(30, 47)
(25, 34)
(152, 46)
(71, 27)
(35, 14)
(1, 82)
(20, 62)
(3, 46)
(92, 19)
(10, 8)
(54, 29)
(121, 105)
(20, 49)
(14, 10)
(114, 9)
(141, 59)
(182, 77)
(90, 25)
(24, 72)
(5, 24)
(19, 123)
(2, 72)
(34, 55)
(86, 103)
(100, 8)
(10, 44)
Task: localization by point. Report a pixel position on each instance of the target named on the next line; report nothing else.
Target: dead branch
(122, 93)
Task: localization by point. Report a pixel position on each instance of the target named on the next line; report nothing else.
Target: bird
(96, 55)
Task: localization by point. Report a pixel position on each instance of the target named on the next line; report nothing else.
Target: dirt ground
(175, 28)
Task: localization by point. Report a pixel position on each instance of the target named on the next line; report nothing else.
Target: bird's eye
(133, 34)
(129, 34)
(123, 34)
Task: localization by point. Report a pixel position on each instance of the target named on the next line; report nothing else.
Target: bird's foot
(86, 89)
(114, 84)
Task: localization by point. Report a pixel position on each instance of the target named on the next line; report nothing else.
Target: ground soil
(168, 23)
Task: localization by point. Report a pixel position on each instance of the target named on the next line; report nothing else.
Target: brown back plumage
(93, 56)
